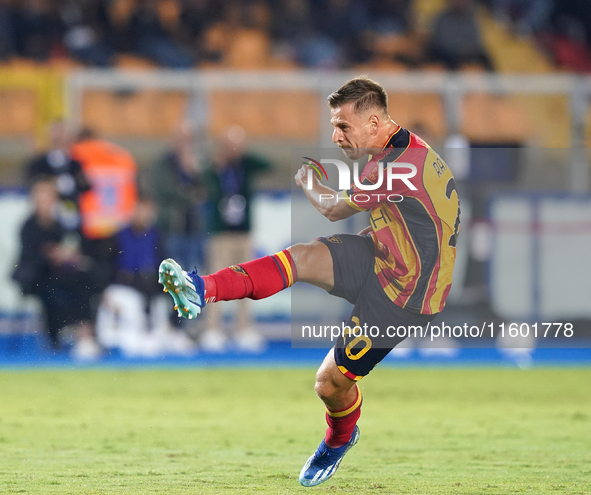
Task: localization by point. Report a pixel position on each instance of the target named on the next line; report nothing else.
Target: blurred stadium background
(498, 87)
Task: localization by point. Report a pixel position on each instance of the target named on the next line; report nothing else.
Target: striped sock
(342, 423)
(255, 279)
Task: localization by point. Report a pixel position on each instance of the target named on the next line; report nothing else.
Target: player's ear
(374, 123)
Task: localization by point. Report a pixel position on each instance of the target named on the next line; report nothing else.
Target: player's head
(359, 110)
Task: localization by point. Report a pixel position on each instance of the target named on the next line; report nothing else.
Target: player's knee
(301, 254)
(307, 259)
(325, 387)
(324, 390)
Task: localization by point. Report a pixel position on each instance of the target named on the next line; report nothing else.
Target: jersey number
(362, 338)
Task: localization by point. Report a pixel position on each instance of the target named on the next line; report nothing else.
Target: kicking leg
(257, 279)
(311, 263)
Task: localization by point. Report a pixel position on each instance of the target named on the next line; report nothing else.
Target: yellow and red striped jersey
(414, 231)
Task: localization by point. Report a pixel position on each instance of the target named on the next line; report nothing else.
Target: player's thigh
(353, 260)
(313, 263)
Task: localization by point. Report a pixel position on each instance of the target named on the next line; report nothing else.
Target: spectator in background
(153, 27)
(70, 179)
(139, 251)
(85, 25)
(134, 315)
(180, 195)
(297, 29)
(112, 173)
(526, 17)
(196, 17)
(390, 17)
(110, 204)
(344, 22)
(290, 20)
(52, 267)
(580, 10)
(118, 15)
(7, 30)
(229, 180)
(455, 39)
(316, 49)
(569, 39)
(37, 29)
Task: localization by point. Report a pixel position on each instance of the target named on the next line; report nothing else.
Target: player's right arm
(326, 200)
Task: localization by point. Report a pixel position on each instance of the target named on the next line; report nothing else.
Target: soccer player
(397, 272)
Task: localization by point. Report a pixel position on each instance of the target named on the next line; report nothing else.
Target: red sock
(342, 423)
(256, 279)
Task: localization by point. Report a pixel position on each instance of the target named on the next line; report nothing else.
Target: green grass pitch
(249, 431)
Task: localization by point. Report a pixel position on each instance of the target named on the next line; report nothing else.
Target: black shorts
(355, 280)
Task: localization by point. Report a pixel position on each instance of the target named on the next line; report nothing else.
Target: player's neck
(388, 129)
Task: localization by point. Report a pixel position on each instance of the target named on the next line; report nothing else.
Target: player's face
(351, 131)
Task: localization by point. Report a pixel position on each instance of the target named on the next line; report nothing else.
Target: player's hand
(301, 177)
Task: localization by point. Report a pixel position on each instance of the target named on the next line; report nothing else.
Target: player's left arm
(326, 200)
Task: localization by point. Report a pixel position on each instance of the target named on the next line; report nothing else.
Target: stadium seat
(509, 52)
(65, 64)
(126, 61)
(425, 11)
(494, 119)
(381, 63)
(413, 110)
(540, 110)
(169, 12)
(267, 114)
(18, 63)
(248, 49)
(149, 113)
(18, 108)
(472, 68)
(121, 10)
(433, 67)
(215, 42)
(406, 47)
